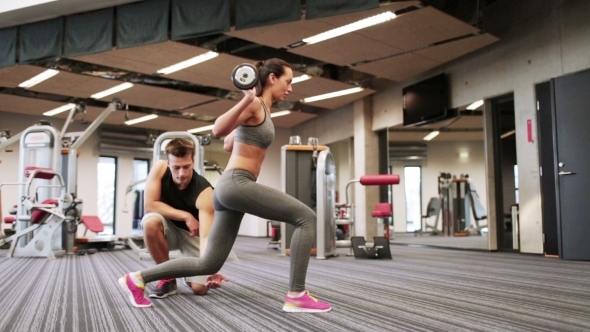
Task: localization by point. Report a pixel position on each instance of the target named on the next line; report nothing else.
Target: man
(180, 209)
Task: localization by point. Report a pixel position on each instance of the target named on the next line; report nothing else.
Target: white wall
(441, 157)
(330, 127)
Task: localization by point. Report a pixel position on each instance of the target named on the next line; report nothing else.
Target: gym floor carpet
(420, 289)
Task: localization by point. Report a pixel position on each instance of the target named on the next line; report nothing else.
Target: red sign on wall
(529, 130)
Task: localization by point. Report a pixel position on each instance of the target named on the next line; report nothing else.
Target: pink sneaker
(135, 292)
(305, 303)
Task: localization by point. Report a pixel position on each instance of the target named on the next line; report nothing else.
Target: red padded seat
(38, 216)
(93, 223)
(9, 220)
(45, 173)
(382, 210)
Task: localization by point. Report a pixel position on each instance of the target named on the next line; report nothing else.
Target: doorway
(505, 171)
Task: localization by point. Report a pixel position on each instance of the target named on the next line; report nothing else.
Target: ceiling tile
(11, 77)
(467, 121)
(212, 109)
(418, 28)
(316, 86)
(24, 105)
(293, 119)
(146, 59)
(119, 117)
(452, 50)
(334, 103)
(159, 98)
(398, 68)
(74, 85)
(281, 35)
(346, 49)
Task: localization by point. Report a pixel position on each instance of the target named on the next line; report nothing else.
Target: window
(141, 168)
(107, 175)
(140, 173)
(413, 190)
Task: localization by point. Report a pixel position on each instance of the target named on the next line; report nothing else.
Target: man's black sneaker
(165, 287)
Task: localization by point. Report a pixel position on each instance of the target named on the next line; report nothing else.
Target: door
(547, 168)
(571, 106)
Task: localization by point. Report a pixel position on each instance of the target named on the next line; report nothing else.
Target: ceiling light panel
(200, 129)
(332, 95)
(112, 90)
(431, 135)
(7, 6)
(60, 109)
(188, 63)
(142, 119)
(49, 73)
(358, 25)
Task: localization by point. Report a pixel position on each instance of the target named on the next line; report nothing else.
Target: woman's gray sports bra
(261, 135)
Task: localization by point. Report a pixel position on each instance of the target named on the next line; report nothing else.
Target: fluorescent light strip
(59, 109)
(301, 78)
(142, 119)
(358, 25)
(39, 78)
(280, 113)
(475, 105)
(112, 90)
(188, 63)
(332, 95)
(200, 129)
(431, 135)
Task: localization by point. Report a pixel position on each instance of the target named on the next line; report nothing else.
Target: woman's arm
(240, 113)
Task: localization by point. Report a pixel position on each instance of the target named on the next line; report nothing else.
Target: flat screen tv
(426, 101)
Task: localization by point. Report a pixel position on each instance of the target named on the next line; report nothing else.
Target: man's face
(181, 168)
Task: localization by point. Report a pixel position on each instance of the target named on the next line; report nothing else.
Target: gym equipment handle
(566, 173)
(379, 179)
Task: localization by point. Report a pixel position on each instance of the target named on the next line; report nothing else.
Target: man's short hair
(180, 148)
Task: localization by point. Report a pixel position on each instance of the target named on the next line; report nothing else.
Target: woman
(249, 131)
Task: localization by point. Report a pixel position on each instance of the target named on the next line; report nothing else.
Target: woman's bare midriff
(247, 157)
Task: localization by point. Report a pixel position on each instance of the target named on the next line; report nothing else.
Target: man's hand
(192, 224)
(214, 281)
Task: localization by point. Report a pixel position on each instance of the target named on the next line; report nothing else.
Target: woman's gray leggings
(237, 193)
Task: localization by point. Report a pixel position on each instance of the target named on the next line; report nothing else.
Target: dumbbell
(245, 76)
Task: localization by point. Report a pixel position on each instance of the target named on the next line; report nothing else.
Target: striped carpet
(421, 289)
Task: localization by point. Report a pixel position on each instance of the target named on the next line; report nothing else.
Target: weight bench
(95, 225)
(379, 249)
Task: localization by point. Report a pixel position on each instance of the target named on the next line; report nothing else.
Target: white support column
(366, 161)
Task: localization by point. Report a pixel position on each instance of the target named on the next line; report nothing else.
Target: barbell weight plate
(245, 76)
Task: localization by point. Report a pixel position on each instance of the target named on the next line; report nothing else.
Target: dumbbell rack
(347, 219)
